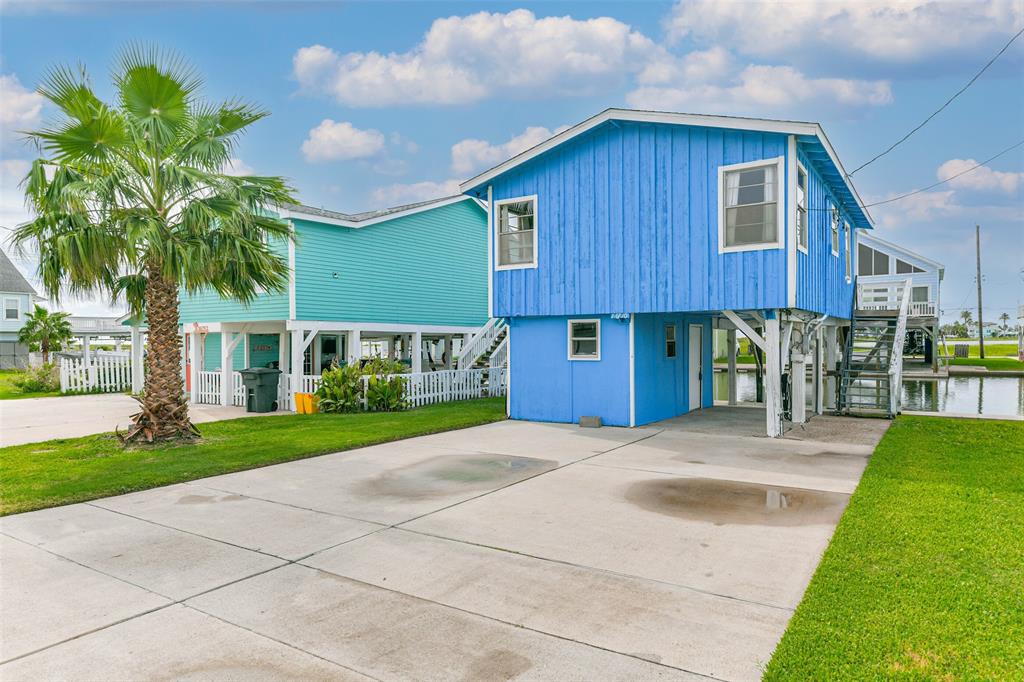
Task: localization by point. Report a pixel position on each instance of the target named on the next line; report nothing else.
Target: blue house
(619, 245)
(409, 282)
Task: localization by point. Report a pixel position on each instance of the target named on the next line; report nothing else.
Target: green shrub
(340, 389)
(385, 394)
(42, 379)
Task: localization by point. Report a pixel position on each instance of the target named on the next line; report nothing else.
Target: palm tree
(1005, 319)
(50, 331)
(131, 200)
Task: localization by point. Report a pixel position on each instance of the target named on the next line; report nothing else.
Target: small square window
(516, 233)
(584, 339)
(12, 309)
(670, 340)
(919, 295)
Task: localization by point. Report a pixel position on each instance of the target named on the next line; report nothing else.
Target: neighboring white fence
(101, 374)
(209, 388)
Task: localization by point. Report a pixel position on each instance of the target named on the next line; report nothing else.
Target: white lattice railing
(889, 296)
(101, 374)
(481, 342)
(896, 360)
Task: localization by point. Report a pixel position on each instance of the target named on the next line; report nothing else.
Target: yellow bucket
(305, 403)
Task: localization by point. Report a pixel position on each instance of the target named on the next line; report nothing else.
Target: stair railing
(481, 342)
(896, 360)
(499, 357)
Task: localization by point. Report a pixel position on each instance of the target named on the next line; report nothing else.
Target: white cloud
(983, 178)
(341, 141)
(465, 59)
(237, 167)
(760, 89)
(21, 107)
(901, 31)
(398, 194)
(12, 200)
(471, 155)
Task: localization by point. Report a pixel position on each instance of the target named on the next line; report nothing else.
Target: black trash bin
(260, 388)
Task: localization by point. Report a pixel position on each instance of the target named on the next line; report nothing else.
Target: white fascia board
(316, 218)
(763, 125)
(870, 237)
(384, 327)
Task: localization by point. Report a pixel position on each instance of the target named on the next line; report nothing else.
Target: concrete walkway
(508, 551)
(37, 419)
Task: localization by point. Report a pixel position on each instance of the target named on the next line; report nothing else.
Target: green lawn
(8, 391)
(924, 578)
(991, 363)
(58, 472)
(991, 350)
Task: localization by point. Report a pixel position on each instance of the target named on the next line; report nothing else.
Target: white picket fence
(209, 389)
(101, 374)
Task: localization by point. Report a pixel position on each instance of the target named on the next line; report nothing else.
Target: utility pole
(981, 320)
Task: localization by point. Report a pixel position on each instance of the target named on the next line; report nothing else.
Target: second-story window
(12, 309)
(801, 208)
(835, 230)
(516, 233)
(750, 206)
(849, 252)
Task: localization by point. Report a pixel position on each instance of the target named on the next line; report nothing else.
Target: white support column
(193, 359)
(831, 357)
(773, 377)
(136, 359)
(354, 346)
(86, 347)
(819, 379)
(731, 352)
(417, 352)
(283, 356)
(117, 344)
(226, 366)
(297, 349)
(798, 382)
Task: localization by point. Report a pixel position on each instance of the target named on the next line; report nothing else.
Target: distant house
(408, 282)
(19, 298)
(620, 244)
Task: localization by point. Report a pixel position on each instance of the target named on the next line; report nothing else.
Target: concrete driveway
(509, 551)
(32, 420)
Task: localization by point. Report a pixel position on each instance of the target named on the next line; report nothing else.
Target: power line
(939, 110)
(942, 182)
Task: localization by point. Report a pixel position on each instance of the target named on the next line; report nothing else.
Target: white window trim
(920, 286)
(848, 243)
(833, 244)
(497, 242)
(675, 340)
(807, 207)
(17, 306)
(780, 205)
(568, 328)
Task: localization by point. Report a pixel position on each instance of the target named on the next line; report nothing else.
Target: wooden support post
(136, 359)
(354, 346)
(283, 357)
(831, 360)
(819, 379)
(298, 347)
(447, 351)
(226, 366)
(798, 383)
(417, 352)
(193, 366)
(773, 375)
(731, 352)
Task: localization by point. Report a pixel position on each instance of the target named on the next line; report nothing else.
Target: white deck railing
(480, 343)
(107, 373)
(889, 296)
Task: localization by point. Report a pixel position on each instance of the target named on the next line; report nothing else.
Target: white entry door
(696, 365)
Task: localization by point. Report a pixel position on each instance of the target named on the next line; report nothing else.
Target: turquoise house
(409, 282)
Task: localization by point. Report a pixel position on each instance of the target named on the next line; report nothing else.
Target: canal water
(991, 396)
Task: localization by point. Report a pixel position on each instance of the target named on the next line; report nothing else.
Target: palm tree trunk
(164, 414)
(44, 346)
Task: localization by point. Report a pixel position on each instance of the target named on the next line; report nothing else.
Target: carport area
(509, 551)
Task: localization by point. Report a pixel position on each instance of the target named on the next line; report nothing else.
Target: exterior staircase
(871, 375)
(488, 347)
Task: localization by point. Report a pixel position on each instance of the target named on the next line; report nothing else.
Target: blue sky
(383, 103)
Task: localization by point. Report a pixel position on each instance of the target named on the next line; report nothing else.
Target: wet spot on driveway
(448, 474)
(733, 502)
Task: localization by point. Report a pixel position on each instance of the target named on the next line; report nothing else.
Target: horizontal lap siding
(208, 306)
(426, 268)
(627, 221)
(821, 277)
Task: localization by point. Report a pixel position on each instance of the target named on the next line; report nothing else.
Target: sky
(382, 103)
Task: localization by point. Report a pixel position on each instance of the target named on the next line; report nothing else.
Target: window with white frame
(919, 294)
(516, 233)
(12, 309)
(835, 230)
(801, 208)
(750, 206)
(872, 261)
(584, 339)
(905, 268)
(670, 340)
(849, 251)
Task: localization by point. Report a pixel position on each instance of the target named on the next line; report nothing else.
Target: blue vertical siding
(662, 383)
(627, 221)
(547, 386)
(820, 276)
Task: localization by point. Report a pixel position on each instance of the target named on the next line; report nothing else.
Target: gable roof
(810, 135)
(868, 237)
(322, 215)
(11, 280)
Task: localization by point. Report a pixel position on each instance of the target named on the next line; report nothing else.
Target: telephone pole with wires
(981, 320)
